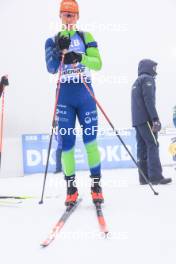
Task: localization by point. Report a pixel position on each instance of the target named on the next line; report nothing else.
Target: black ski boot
(72, 191)
(96, 191)
(162, 181)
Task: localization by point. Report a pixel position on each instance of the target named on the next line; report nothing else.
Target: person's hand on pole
(62, 42)
(3, 83)
(72, 58)
(156, 126)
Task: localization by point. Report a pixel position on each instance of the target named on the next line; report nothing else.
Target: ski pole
(117, 134)
(2, 125)
(52, 130)
(4, 82)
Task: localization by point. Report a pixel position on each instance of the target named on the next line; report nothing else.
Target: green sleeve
(92, 59)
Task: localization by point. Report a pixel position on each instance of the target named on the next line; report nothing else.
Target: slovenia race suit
(75, 100)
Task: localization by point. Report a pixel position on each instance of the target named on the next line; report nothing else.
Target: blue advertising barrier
(113, 154)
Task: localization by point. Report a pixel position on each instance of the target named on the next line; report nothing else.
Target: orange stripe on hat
(69, 6)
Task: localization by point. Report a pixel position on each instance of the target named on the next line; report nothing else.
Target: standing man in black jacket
(146, 122)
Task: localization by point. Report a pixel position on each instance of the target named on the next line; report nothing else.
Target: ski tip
(43, 245)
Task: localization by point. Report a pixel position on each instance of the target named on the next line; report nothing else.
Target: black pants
(148, 152)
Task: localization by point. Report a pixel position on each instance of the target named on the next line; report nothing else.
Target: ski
(25, 197)
(101, 219)
(10, 202)
(59, 225)
(15, 197)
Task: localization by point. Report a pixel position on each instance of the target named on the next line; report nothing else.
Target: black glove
(4, 81)
(72, 57)
(156, 126)
(62, 42)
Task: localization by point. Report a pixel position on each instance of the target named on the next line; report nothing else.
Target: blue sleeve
(148, 90)
(51, 56)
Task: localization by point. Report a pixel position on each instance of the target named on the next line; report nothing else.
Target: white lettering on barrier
(33, 157)
(112, 153)
(102, 153)
(109, 153)
(44, 157)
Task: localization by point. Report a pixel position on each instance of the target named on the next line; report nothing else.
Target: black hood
(147, 66)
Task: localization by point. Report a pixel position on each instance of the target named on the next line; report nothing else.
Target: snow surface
(142, 225)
